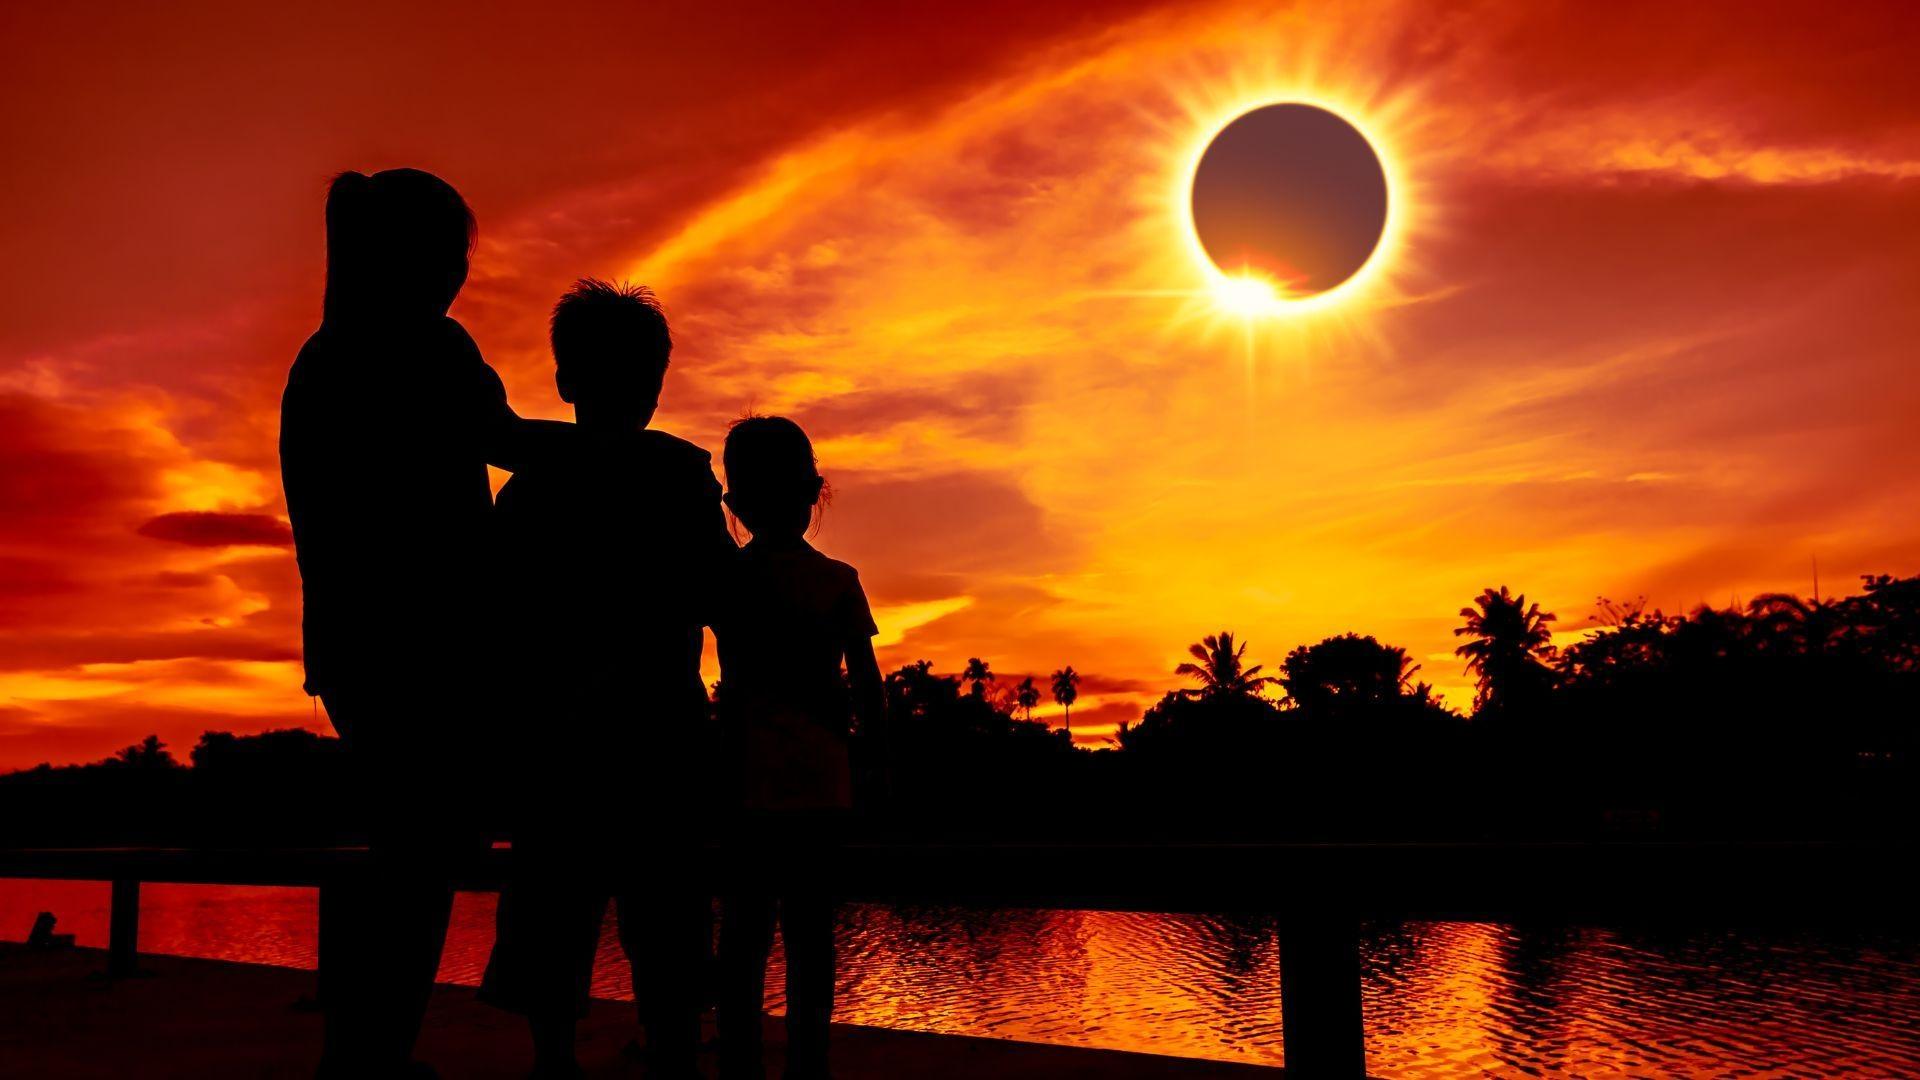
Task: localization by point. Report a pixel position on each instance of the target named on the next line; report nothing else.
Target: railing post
(327, 950)
(1321, 1026)
(123, 928)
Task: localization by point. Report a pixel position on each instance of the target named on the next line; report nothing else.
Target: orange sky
(1645, 323)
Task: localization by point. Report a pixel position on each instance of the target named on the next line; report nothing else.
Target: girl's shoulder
(839, 581)
(826, 563)
(842, 571)
(800, 561)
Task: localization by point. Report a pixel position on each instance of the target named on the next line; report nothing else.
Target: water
(1442, 999)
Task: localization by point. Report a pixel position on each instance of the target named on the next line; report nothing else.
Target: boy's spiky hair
(594, 314)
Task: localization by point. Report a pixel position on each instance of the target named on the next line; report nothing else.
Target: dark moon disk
(1293, 193)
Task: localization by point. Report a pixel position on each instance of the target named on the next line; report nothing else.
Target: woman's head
(397, 245)
(773, 483)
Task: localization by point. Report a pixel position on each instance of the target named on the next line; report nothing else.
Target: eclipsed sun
(1289, 202)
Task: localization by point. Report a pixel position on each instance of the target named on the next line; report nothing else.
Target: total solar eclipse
(1291, 195)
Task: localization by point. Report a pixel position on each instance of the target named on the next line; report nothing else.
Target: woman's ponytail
(349, 234)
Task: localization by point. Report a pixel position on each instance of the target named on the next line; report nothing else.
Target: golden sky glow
(1641, 321)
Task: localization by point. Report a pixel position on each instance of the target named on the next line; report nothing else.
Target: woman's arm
(511, 442)
(506, 440)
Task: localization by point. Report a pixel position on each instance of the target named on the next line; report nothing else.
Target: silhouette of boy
(610, 557)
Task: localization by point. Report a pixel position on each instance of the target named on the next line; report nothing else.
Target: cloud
(964, 527)
(76, 652)
(977, 406)
(1770, 93)
(87, 597)
(96, 729)
(212, 529)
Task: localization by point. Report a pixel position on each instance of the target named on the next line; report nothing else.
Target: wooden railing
(1320, 893)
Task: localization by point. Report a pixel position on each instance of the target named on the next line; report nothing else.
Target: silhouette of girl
(389, 421)
(789, 618)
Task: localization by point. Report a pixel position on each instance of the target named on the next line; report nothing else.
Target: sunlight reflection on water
(1443, 999)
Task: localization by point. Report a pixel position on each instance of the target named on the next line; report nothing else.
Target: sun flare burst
(1249, 293)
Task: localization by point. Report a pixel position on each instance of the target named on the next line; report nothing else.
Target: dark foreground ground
(203, 1018)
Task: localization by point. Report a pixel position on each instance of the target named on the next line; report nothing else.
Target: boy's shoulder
(684, 466)
(674, 450)
(652, 456)
(524, 491)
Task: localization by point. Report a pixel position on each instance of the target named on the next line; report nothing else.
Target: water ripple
(1442, 999)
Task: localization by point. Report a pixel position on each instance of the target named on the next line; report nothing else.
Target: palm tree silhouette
(1027, 696)
(1221, 671)
(1066, 690)
(1510, 648)
(979, 675)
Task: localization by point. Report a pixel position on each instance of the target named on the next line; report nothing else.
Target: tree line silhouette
(1782, 717)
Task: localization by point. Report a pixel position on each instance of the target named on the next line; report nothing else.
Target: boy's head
(773, 483)
(610, 348)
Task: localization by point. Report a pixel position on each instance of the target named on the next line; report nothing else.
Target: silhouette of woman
(388, 423)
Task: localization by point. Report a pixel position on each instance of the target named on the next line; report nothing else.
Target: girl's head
(397, 245)
(773, 483)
